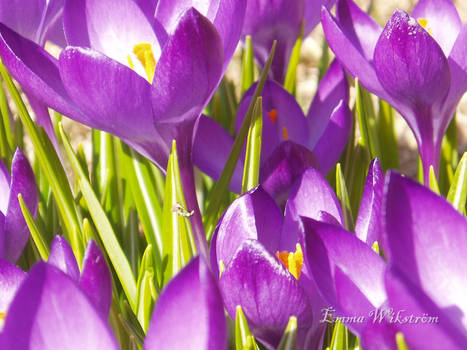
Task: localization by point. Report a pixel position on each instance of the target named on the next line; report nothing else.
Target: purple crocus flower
(266, 21)
(417, 63)
(143, 81)
(50, 311)
(324, 131)
(425, 240)
(14, 233)
(261, 263)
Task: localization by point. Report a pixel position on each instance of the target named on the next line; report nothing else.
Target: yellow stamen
(292, 261)
(130, 62)
(424, 23)
(143, 52)
(2, 315)
(285, 133)
(273, 115)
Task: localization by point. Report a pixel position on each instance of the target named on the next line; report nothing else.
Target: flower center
(272, 114)
(292, 261)
(145, 55)
(424, 23)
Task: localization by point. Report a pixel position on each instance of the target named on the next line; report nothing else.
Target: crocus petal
(89, 23)
(189, 69)
(190, 305)
(438, 13)
(331, 90)
(378, 336)
(336, 258)
(36, 71)
(412, 66)
(266, 291)
(332, 142)
(254, 215)
(211, 148)
(350, 55)
(283, 118)
(368, 226)
(408, 299)
(426, 238)
(309, 196)
(5, 180)
(2, 235)
(95, 279)
(49, 311)
(62, 257)
(11, 278)
(113, 96)
(22, 182)
(285, 165)
(313, 14)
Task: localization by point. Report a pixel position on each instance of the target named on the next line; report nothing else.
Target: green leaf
(449, 156)
(339, 339)
(178, 245)
(433, 181)
(323, 63)
(221, 187)
(457, 194)
(36, 234)
(53, 170)
(343, 195)
(387, 137)
(8, 143)
(400, 342)
(289, 339)
(104, 228)
(253, 148)
(244, 340)
(248, 66)
(291, 75)
(145, 289)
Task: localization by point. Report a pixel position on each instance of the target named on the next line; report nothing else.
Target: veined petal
(438, 13)
(309, 196)
(254, 215)
(369, 223)
(62, 257)
(411, 65)
(189, 69)
(283, 118)
(266, 291)
(95, 279)
(426, 238)
(49, 311)
(11, 278)
(16, 231)
(190, 305)
(114, 98)
(284, 166)
(115, 32)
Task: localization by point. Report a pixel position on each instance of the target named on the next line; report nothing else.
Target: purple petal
(332, 142)
(411, 66)
(16, 231)
(408, 299)
(62, 257)
(426, 238)
(309, 196)
(189, 69)
(369, 221)
(280, 110)
(115, 32)
(11, 278)
(254, 215)
(211, 148)
(2, 235)
(337, 259)
(5, 181)
(313, 13)
(378, 336)
(284, 166)
(95, 279)
(36, 71)
(50, 312)
(113, 96)
(266, 291)
(438, 13)
(190, 305)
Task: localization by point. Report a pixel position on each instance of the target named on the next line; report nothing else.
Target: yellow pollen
(424, 23)
(292, 261)
(2, 315)
(144, 54)
(273, 115)
(285, 133)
